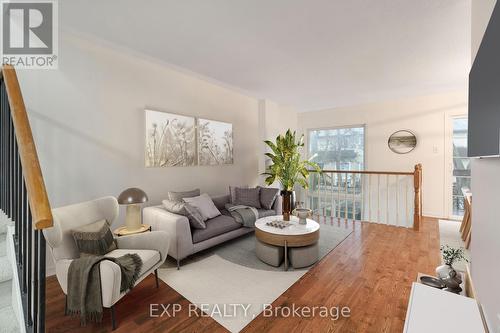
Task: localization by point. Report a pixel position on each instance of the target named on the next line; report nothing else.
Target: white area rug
(214, 278)
(228, 277)
(449, 234)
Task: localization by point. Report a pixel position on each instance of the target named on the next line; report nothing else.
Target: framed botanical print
(215, 142)
(170, 140)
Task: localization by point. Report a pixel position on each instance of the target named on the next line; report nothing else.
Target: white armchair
(152, 247)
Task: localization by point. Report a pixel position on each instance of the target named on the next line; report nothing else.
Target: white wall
(425, 116)
(275, 119)
(278, 119)
(88, 122)
(485, 242)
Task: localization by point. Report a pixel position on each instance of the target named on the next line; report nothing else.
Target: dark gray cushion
(221, 201)
(217, 226)
(94, 238)
(195, 218)
(266, 212)
(182, 208)
(268, 196)
(248, 197)
(225, 212)
(178, 196)
(232, 192)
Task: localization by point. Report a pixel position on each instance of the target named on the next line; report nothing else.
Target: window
(461, 165)
(338, 148)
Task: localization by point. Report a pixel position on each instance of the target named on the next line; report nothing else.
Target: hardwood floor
(132, 312)
(370, 272)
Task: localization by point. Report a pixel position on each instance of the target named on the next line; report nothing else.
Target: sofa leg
(178, 264)
(113, 317)
(156, 278)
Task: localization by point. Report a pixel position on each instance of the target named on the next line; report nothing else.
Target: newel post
(417, 209)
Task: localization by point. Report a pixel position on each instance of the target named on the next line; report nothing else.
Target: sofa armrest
(111, 278)
(154, 240)
(278, 205)
(176, 226)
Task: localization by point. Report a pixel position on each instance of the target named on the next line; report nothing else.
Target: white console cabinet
(431, 310)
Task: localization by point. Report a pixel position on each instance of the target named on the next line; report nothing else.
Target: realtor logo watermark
(29, 34)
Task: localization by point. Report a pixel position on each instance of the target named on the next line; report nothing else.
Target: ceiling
(309, 54)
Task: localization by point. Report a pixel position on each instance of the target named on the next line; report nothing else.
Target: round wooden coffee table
(293, 235)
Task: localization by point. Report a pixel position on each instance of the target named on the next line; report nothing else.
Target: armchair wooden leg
(156, 278)
(66, 305)
(113, 318)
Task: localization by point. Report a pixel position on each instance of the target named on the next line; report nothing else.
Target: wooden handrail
(38, 199)
(363, 172)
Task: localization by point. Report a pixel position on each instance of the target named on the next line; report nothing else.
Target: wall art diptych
(176, 140)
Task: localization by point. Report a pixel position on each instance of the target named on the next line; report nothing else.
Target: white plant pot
(443, 271)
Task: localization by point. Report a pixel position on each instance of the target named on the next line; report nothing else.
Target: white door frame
(448, 160)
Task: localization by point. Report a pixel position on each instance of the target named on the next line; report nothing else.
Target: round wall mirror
(402, 142)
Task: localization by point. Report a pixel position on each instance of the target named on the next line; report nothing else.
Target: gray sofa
(185, 241)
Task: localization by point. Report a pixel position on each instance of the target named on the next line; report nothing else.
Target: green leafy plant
(451, 254)
(288, 168)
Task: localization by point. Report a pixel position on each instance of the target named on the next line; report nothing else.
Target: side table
(122, 231)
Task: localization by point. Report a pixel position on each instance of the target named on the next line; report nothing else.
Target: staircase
(24, 212)
(8, 319)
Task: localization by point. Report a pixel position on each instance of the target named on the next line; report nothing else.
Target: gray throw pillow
(195, 218)
(94, 238)
(178, 196)
(248, 197)
(175, 207)
(185, 209)
(232, 192)
(268, 196)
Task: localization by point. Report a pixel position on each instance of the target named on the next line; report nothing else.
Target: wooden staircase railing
(23, 198)
(375, 196)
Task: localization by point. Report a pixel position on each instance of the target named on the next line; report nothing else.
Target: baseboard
(470, 291)
(434, 216)
(469, 285)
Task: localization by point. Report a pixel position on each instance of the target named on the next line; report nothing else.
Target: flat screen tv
(484, 93)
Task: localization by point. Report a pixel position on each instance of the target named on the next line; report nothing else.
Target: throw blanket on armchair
(245, 215)
(84, 283)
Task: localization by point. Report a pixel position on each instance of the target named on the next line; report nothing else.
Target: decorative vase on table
(288, 204)
(303, 214)
(453, 282)
(443, 271)
(450, 255)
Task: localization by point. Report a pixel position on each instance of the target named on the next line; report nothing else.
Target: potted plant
(450, 256)
(287, 167)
